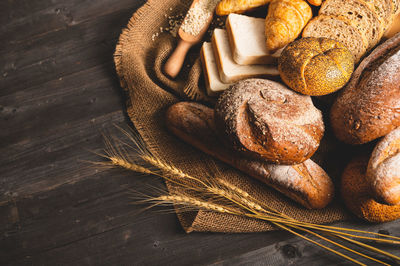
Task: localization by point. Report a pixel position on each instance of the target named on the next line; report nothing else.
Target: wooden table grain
(58, 94)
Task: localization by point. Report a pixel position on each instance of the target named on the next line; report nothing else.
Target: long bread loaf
(306, 183)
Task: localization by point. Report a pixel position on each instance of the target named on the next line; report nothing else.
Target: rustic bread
(368, 107)
(229, 71)
(356, 195)
(316, 66)
(384, 9)
(214, 85)
(225, 7)
(360, 16)
(285, 21)
(340, 30)
(306, 183)
(264, 119)
(247, 41)
(383, 173)
(394, 28)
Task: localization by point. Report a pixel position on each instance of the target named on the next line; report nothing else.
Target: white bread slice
(229, 71)
(247, 39)
(210, 71)
(359, 14)
(339, 29)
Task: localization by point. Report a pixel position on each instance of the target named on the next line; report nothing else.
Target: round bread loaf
(356, 195)
(316, 66)
(262, 118)
(383, 173)
(369, 106)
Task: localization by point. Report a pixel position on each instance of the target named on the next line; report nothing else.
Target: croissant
(225, 7)
(315, 2)
(285, 21)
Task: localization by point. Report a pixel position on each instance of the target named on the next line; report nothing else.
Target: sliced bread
(247, 40)
(383, 9)
(229, 71)
(210, 71)
(359, 14)
(340, 30)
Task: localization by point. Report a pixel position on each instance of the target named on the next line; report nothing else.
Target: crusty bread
(226, 7)
(359, 15)
(264, 119)
(369, 106)
(394, 28)
(229, 71)
(383, 173)
(213, 83)
(356, 195)
(247, 40)
(316, 66)
(306, 183)
(340, 30)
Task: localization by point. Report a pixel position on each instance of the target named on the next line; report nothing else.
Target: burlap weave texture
(138, 60)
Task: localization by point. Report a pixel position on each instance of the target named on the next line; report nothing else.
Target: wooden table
(58, 94)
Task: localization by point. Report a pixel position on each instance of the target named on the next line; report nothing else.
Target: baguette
(306, 183)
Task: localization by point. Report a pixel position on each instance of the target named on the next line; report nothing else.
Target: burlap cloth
(138, 59)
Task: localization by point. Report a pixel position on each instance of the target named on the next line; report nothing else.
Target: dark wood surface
(58, 94)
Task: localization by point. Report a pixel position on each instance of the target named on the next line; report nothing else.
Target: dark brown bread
(306, 183)
(264, 119)
(369, 106)
(357, 195)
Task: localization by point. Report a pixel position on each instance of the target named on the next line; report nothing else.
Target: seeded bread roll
(369, 106)
(356, 195)
(365, 20)
(306, 183)
(383, 173)
(264, 119)
(338, 29)
(315, 66)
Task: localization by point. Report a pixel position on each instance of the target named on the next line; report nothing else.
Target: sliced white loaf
(229, 71)
(340, 30)
(247, 40)
(359, 14)
(210, 71)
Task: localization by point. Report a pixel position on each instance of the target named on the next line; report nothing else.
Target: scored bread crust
(368, 107)
(306, 183)
(353, 39)
(359, 14)
(264, 119)
(383, 173)
(316, 66)
(357, 197)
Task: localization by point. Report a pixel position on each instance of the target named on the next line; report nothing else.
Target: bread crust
(306, 183)
(369, 106)
(264, 119)
(356, 195)
(383, 173)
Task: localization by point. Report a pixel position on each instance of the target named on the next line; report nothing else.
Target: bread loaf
(356, 195)
(264, 119)
(315, 66)
(225, 7)
(285, 21)
(306, 183)
(369, 105)
(383, 173)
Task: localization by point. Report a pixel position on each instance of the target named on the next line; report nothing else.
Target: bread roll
(383, 173)
(369, 105)
(315, 66)
(225, 7)
(356, 195)
(264, 119)
(306, 183)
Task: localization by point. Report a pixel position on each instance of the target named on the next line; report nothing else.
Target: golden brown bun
(356, 195)
(285, 21)
(383, 173)
(315, 2)
(225, 7)
(263, 118)
(306, 183)
(368, 107)
(315, 66)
